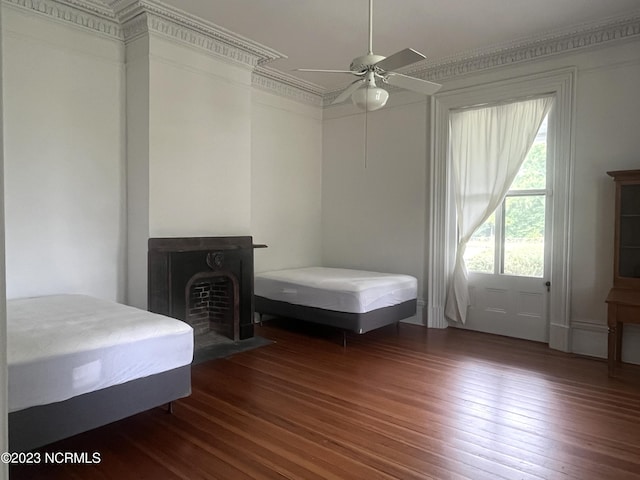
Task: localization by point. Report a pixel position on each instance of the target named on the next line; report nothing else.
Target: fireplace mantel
(175, 262)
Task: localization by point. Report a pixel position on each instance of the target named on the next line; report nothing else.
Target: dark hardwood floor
(418, 404)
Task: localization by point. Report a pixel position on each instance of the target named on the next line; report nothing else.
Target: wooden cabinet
(624, 298)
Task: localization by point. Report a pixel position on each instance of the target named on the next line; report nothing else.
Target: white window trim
(442, 233)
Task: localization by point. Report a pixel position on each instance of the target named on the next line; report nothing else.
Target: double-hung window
(511, 241)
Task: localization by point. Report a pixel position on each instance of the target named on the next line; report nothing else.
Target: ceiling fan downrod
(370, 27)
(364, 92)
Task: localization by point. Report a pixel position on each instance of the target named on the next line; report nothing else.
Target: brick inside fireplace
(211, 306)
(206, 282)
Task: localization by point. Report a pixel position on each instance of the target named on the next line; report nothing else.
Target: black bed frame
(37, 426)
(353, 322)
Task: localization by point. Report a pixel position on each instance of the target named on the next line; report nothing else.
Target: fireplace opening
(212, 307)
(206, 282)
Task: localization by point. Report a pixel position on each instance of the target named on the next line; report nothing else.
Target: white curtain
(487, 148)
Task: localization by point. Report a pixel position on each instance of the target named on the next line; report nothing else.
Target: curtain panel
(487, 146)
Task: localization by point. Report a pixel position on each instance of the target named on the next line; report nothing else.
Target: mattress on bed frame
(354, 300)
(40, 425)
(61, 346)
(76, 362)
(355, 322)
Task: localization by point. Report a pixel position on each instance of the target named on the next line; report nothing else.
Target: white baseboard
(435, 317)
(560, 337)
(591, 339)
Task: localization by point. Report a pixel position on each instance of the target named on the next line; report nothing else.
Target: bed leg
(170, 408)
(260, 318)
(398, 327)
(344, 339)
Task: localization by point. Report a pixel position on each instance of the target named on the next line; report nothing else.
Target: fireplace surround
(204, 281)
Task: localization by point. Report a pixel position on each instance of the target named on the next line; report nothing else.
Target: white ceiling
(328, 34)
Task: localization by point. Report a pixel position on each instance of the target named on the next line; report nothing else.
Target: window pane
(480, 253)
(524, 236)
(533, 172)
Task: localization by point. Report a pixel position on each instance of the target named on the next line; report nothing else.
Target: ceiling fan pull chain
(366, 130)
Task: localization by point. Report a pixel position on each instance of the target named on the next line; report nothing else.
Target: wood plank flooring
(418, 404)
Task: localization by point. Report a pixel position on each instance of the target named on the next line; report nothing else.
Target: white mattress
(338, 289)
(65, 345)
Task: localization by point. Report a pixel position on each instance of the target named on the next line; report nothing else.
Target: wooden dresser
(624, 298)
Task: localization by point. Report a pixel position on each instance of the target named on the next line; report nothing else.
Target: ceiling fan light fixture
(363, 92)
(370, 98)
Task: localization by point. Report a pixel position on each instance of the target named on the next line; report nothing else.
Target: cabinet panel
(630, 200)
(627, 229)
(624, 298)
(629, 232)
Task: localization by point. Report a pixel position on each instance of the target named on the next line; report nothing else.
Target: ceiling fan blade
(348, 91)
(411, 83)
(326, 71)
(400, 59)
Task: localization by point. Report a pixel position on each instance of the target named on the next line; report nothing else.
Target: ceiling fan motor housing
(365, 62)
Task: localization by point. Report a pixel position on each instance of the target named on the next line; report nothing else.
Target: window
(443, 233)
(511, 241)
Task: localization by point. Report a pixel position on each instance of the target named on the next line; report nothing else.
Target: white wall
(64, 159)
(189, 148)
(137, 154)
(200, 144)
(608, 102)
(207, 135)
(79, 215)
(374, 206)
(84, 195)
(4, 435)
(360, 229)
(605, 138)
(286, 178)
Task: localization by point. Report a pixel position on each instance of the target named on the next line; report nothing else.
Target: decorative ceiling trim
(81, 13)
(193, 31)
(580, 38)
(91, 6)
(286, 85)
(146, 22)
(125, 20)
(583, 37)
(135, 27)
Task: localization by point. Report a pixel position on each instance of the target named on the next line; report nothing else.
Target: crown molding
(126, 20)
(582, 37)
(91, 6)
(145, 22)
(545, 45)
(86, 14)
(190, 30)
(286, 85)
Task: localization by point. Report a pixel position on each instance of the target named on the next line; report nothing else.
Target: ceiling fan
(370, 67)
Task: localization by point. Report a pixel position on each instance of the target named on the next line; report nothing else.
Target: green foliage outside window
(524, 224)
